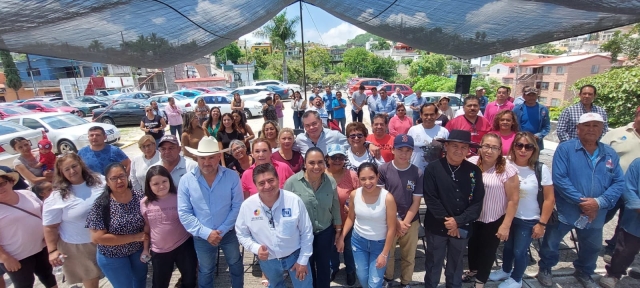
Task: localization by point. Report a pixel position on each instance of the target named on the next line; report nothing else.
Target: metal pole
(247, 52)
(33, 82)
(304, 71)
(515, 82)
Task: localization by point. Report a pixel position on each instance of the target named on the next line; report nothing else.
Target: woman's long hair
(62, 184)
(186, 121)
(104, 201)
(270, 122)
(233, 122)
(243, 124)
(209, 122)
(532, 140)
(501, 162)
(514, 123)
(157, 170)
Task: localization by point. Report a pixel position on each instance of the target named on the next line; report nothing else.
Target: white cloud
(334, 36)
(159, 20)
(418, 19)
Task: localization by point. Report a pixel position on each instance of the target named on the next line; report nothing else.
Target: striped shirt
(569, 119)
(495, 197)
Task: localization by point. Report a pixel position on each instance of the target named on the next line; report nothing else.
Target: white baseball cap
(588, 117)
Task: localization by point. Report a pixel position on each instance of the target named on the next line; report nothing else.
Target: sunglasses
(527, 147)
(354, 136)
(337, 158)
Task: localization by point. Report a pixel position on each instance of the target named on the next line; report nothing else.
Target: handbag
(553, 218)
(25, 211)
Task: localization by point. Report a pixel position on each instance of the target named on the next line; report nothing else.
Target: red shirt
(482, 127)
(385, 144)
(283, 170)
(48, 160)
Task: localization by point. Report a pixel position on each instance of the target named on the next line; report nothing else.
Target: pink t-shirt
(493, 108)
(283, 170)
(506, 141)
(167, 233)
(22, 234)
(399, 126)
(348, 183)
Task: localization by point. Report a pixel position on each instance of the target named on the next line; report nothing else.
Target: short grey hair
(237, 142)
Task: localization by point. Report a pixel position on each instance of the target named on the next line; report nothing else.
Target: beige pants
(408, 245)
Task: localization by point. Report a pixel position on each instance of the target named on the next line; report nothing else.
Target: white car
(252, 93)
(291, 87)
(67, 132)
(251, 108)
(10, 130)
(455, 101)
(163, 100)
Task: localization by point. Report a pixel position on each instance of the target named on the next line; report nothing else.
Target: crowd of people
(299, 197)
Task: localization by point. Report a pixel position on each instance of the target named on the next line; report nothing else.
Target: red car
(8, 111)
(391, 89)
(48, 107)
(368, 83)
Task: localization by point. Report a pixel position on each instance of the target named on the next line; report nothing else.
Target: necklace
(358, 153)
(453, 175)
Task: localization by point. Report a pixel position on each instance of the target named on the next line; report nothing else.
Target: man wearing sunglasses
(533, 117)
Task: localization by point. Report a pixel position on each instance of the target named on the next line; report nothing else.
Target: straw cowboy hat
(13, 175)
(206, 147)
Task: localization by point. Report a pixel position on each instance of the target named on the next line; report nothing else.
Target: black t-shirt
(153, 124)
(226, 138)
(235, 165)
(270, 113)
(442, 120)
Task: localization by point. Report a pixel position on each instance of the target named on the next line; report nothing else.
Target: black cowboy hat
(460, 136)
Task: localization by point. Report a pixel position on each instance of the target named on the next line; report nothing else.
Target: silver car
(10, 130)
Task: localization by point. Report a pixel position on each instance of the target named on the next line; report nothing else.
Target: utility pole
(515, 82)
(304, 71)
(33, 82)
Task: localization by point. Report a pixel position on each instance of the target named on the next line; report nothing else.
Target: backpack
(554, 213)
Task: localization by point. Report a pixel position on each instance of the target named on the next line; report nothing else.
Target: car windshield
(51, 105)
(15, 110)
(113, 92)
(63, 121)
(75, 103)
(8, 127)
(99, 98)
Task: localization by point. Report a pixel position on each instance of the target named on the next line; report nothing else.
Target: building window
(560, 70)
(34, 72)
(544, 85)
(558, 86)
(555, 102)
(595, 69)
(497, 71)
(542, 100)
(512, 70)
(547, 69)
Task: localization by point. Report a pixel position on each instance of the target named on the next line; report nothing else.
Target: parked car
(188, 93)
(84, 109)
(48, 107)
(219, 89)
(98, 100)
(163, 100)
(251, 108)
(252, 93)
(202, 89)
(282, 91)
(10, 130)
(291, 87)
(8, 111)
(108, 92)
(18, 101)
(368, 83)
(67, 132)
(391, 89)
(128, 112)
(433, 97)
(133, 96)
(43, 99)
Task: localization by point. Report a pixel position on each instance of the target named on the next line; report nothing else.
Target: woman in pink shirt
(174, 117)
(400, 123)
(170, 243)
(506, 126)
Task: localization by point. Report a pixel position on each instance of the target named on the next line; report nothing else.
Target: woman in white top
(529, 222)
(372, 215)
(140, 164)
(64, 218)
(357, 153)
(298, 105)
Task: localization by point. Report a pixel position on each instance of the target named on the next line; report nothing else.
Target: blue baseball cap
(334, 149)
(403, 140)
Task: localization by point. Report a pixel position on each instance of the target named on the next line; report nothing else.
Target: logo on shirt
(286, 212)
(411, 186)
(623, 138)
(609, 164)
(256, 212)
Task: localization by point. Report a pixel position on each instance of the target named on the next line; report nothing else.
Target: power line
(314, 24)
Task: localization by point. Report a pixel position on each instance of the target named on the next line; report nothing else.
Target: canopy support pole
(304, 71)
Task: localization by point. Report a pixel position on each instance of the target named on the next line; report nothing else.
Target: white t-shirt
(528, 208)
(460, 112)
(72, 212)
(424, 139)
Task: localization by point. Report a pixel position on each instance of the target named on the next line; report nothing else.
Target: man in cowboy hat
(209, 199)
(453, 191)
(171, 159)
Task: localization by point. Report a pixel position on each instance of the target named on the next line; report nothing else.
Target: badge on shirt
(609, 164)
(256, 214)
(286, 212)
(411, 186)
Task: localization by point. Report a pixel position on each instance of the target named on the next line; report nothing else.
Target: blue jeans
(274, 268)
(176, 130)
(515, 249)
(343, 123)
(590, 243)
(208, 256)
(365, 254)
(330, 112)
(124, 272)
(297, 119)
(347, 255)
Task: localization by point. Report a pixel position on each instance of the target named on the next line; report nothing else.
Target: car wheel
(247, 113)
(81, 114)
(66, 146)
(107, 120)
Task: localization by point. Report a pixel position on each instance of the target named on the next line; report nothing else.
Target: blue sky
(330, 30)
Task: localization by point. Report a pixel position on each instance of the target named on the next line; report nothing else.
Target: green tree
(546, 48)
(280, 31)
(95, 46)
(355, 59)
(618, 93)
(317, 57)
(428, 64)
(362, 39)
(435, 83)
(624, 43)
(381, 45)
(230, 52)
(10, 72)
(500, 59)
(458, 67)
(406, 61)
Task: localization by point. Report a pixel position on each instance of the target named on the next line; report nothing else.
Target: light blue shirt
(203, 208)
(328, 101)
(327, 137)
(631, 196)
(386, 106)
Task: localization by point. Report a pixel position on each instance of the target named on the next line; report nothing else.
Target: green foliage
(280, 31)
(355, 58)
(489, 84)
(554, 112)
(623, 43)
(433, 64)
(317, 57)
(363, 63)
(500, 59)
(10, 72)
(457, 67)
(435, 83)
(230, 52)
(618, 93)
(546, 48)
(407, 61)
(362, 39)
(381, 45)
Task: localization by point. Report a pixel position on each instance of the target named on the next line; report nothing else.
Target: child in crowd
(269, 110)
(42, 190)
(47, 158)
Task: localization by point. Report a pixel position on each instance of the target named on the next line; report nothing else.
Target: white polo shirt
(292, 227)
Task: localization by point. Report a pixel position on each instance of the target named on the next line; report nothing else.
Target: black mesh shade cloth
(160, 33)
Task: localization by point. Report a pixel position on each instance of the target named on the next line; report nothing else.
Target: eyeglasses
(337, 158)
(527, 147)
(146, 146)
(121, 178)
(354, 136)
(3, 183)
(490, 148)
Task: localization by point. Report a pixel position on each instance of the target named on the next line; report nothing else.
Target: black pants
(482, 248)
(37, 264)
(184, 256)
(611, 243)
(320, 261)
(356, 117)
(627, 247)
(439, 247)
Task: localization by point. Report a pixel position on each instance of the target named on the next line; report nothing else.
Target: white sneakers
(499, 275)
(510, 283)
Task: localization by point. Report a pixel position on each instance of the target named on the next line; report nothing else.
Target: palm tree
(96, 46)
(280, 31)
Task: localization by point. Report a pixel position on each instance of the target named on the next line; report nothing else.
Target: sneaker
(387, 283)
(585, 280)
(510, 283)
(608, 281)
(351, 279)
(499, 275)
(545, 277)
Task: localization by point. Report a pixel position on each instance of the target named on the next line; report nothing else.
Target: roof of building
(536, 62)
(571, 59)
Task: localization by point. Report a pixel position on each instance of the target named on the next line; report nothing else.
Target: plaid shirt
(569, 119)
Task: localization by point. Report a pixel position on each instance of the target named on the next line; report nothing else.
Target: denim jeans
(274, 268)
(590, 243)
(515, 258)
(124, 272)
(347, 255)
(356, 117)
(343, 123)
(176, 130)
(297, 119)
(208, 256)
(365, 254)
(330, 112)
(320, 261)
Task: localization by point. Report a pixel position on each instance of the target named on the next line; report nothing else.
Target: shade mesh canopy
(160, 33)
